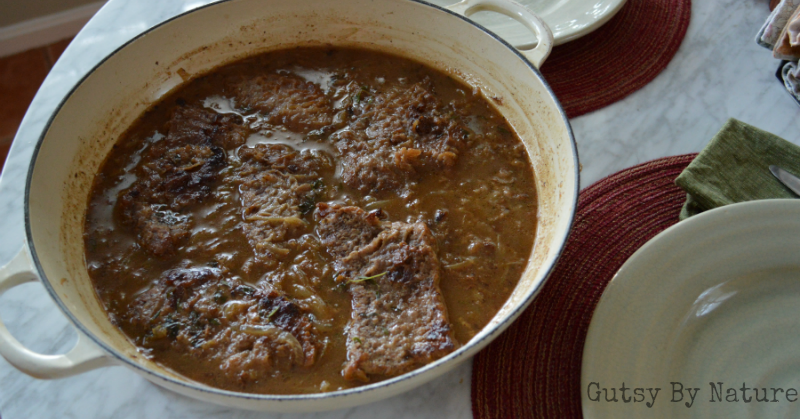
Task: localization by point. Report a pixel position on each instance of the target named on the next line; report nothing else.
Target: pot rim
(455, 357)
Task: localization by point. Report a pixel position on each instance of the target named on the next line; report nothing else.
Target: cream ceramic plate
(713, 299)
(567, 19)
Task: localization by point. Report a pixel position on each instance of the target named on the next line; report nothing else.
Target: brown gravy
(228, 232)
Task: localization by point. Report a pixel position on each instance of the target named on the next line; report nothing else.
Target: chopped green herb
(318, 184)
(173, 329)
(358, 95)
(220, 297)
(272, 313)
(385, 331)
(367, 278)
(307, 205)
(155, 316)
(214, 322)
(357, 340)
(247, 290)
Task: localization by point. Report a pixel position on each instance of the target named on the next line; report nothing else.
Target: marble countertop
(719, 72)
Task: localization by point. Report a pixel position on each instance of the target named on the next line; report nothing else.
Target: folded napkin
(781, 34)
(734, 167)
(790, 72)
(771, 31)
(787, 47)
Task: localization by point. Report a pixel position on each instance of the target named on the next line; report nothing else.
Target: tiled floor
(20, 77)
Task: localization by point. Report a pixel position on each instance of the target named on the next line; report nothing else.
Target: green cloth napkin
(734, 167)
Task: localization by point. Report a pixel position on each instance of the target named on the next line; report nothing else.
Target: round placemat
(620, 57)
(534, 368)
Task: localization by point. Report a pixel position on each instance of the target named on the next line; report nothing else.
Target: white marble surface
(719, 72)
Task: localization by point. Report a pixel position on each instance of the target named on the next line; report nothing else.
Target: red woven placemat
(620, 57)
(533, 370)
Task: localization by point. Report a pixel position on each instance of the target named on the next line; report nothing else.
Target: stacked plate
(567, 19)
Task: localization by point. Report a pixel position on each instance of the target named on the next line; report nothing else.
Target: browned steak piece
(282, 158)
(369, 165)
(252, 333)
(180, 175)
(159, 229)
(288, 100)
(165, 185)
(396, 133)
(344, 229)
(175, 172)
(399, 319)
(277, 187)
(195, 125)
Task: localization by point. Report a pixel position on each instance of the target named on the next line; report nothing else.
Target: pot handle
(84, 356)
(521, 14)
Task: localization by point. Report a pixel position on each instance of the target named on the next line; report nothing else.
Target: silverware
(789, 180)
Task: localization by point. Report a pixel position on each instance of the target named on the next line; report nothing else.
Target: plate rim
(571, 35)
(559, 37)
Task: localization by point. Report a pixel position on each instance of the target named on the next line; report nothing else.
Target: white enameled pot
(125, 84)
